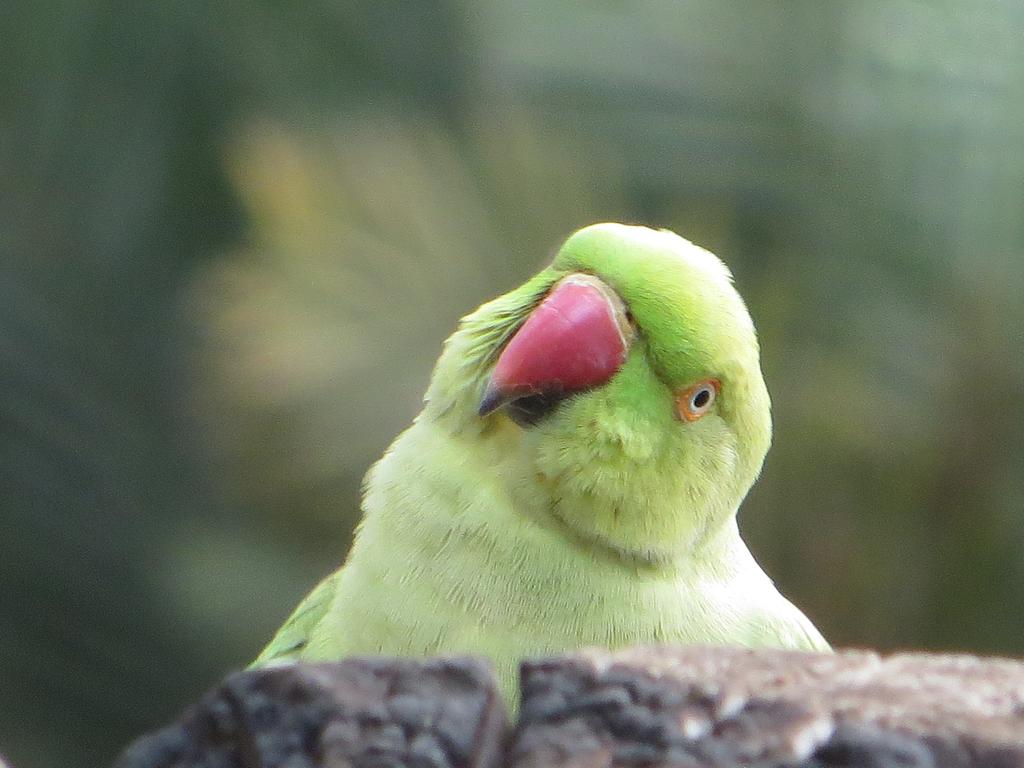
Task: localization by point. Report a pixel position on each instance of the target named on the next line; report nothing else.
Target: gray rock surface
(735, 707)
(687, 707)
(438, 713)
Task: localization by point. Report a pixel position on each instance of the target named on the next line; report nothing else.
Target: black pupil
(701, 398)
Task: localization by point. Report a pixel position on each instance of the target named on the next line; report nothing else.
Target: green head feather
(615, 465)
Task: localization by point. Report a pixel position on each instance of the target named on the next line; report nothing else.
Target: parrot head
(617, 395)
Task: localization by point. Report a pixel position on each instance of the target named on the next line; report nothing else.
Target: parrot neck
(438, 487)
(448, 559)
(481, 575)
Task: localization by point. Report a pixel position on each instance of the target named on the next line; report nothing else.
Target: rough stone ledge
(692, 707)
(733, 707)
(441, 713)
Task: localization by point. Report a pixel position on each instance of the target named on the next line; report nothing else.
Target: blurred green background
(233, 236)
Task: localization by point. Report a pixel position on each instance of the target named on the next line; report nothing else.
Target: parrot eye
(695, 401)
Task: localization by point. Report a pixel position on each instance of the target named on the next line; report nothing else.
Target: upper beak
(576, 339)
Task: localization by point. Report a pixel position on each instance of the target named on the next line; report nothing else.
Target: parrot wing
(293, 636)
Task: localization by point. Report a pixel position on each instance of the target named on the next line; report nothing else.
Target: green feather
(293, 636)
(610, 522)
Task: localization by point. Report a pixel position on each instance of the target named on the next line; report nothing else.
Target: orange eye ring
(696, 401)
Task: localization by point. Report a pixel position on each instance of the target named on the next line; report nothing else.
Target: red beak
(576, 339)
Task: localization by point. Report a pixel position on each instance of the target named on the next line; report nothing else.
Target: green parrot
(573, 479)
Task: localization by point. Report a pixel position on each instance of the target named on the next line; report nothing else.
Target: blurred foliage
(233, 237)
